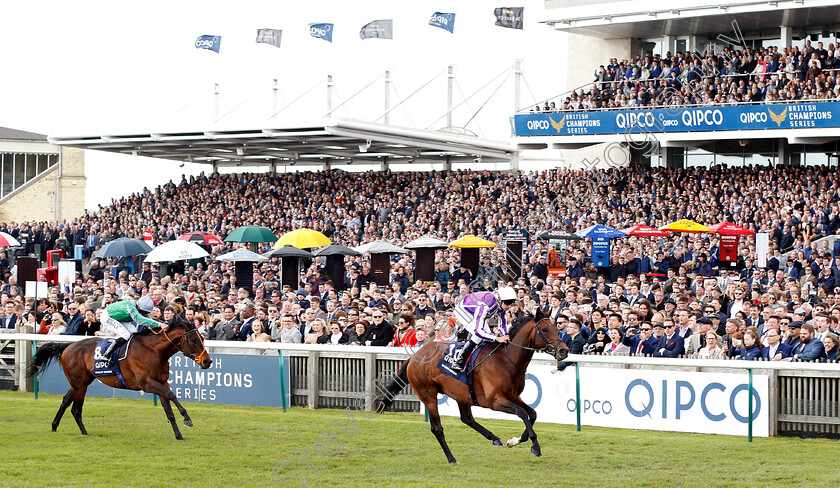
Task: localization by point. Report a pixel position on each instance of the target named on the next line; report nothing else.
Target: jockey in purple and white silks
(474, 312)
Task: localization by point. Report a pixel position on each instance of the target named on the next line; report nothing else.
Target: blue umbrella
(599, 230)
(122, 247)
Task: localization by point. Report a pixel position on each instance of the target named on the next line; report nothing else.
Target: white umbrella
(241, 255)
(379, 247)
(176, 251)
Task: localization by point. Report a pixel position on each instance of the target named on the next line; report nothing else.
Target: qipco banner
(676, 119)
(673, 401)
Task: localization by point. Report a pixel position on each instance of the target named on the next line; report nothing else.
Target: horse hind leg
(437, 428)
(468, 419)
(78, 404)
(65, 402)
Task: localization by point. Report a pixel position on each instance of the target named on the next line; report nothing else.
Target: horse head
(190, 342)
(545, 336)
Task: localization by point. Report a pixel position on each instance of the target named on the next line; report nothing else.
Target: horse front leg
(152, 386)
(520, 409)
(167, 409)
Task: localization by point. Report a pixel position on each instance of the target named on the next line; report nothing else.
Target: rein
(548, 345)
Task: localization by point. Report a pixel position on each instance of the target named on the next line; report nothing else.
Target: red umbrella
(642, 230)
(8, 241)
(730, 229)
(199, 237)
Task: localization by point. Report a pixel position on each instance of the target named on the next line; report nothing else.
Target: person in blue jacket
(671, 345)
(751, 350)
(810, 348)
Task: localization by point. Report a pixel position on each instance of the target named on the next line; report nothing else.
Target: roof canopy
(339, 141)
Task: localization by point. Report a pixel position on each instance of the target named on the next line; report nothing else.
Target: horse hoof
(453, 461)
(188, 422)
(497, 443)
(536, 451)
(513, 441)
(179, 438)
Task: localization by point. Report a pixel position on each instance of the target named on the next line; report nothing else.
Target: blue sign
(321, 31)
(212, 43)
(818, 115)
(231, 380)
(443, 20)
(601, 252)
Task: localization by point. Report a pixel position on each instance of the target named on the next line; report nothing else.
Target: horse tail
(385, 395)
(45, 354)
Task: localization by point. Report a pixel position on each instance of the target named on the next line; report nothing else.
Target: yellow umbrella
(685, 225)
(303, 239)
(470, 241)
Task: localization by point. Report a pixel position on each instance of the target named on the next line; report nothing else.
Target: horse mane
(518, 323)
(177, 322)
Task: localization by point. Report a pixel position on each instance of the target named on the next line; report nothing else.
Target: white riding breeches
(121, 329)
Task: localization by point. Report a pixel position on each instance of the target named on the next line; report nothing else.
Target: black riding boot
(461, 362)
(113, 347)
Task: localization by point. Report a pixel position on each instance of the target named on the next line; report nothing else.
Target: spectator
(318, 334)
(672, 344)
(258, 334)
(751, 350)
(830, 342)
(616, 347)
(712, 348)
(289, 332)
(810, 348)
(775, 349)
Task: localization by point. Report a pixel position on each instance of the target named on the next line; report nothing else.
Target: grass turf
(131, 444)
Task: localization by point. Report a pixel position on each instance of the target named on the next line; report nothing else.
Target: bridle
(178, 346)
(549, 348)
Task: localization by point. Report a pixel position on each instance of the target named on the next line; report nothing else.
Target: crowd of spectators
(672, 288)
(729, 76)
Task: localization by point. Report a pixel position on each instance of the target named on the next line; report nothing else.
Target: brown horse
(499, 378)
(146, 367)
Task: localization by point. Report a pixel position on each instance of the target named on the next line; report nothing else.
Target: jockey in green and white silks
(127, 317)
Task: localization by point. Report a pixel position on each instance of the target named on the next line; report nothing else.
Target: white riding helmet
(145, 304)
(506, 293)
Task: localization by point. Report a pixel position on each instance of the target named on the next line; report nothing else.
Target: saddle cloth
(101, 367)
(452, 354)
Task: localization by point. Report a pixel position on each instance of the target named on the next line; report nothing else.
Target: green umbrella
(251, 233)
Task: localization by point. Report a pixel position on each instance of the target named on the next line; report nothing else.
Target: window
(16, 169)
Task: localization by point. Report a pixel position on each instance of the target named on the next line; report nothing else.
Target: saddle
(466, 376)
(101, 365)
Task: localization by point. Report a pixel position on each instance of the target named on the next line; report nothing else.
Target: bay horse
(146, 367)
(498, 377)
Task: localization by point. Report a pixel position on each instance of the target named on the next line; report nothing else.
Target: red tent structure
(642, 230)
(730, 229)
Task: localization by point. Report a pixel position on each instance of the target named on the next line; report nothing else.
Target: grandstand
(695, 84)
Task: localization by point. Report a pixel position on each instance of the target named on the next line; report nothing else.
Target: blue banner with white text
(321, 31)
(601, 252)
(805, 115)
(231, 380)
(211, 43)
(444, 21)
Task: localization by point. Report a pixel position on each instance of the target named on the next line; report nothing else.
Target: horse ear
(538, 314)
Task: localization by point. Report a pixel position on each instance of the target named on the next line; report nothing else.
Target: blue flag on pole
(321, 31)
(443, 20)
(211, 43)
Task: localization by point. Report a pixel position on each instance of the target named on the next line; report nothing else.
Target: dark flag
(510, 17)
(212, 43)
(443, 20)
(378, 29)
(321, 31)
(269, 36)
